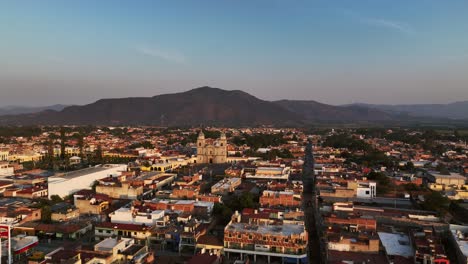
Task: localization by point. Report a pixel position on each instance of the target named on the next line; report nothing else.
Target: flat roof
(462, 244)
(396, 244)
(451, 175)
(83, 172)
(284, 229)
(108, 243)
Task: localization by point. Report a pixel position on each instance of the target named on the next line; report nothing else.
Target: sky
(336, 52)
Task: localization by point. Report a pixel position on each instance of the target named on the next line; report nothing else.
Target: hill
(200, 106)
(457, 110)
(16, 110)
(315, 111)
(214, 106)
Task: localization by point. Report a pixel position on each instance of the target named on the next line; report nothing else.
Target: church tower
(201, 148)
(201, 140)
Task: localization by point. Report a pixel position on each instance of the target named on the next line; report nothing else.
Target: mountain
(200, 106)
(16, 110)
(213, 106)
(315, 111)
(457, 110)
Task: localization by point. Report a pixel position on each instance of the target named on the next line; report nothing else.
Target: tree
(46, 213)
(222, 212)
(81, 145)
(442, 169)
(99, 154)
(409, 166)
(384, 185)
(62, 143)
(56, 199)
(434, 201)
(93, 186)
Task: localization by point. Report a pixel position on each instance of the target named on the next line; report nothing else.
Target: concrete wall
(63, 186)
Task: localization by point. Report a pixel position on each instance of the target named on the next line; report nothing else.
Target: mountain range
(457, 110)
(16, 110)
(207, 106)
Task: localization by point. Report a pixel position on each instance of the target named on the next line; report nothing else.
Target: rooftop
(396, 244)
(284, 230)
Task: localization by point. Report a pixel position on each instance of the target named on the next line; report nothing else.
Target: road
(310, 225)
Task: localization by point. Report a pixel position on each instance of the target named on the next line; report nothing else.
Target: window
(250, 237)
(239, 236)
(274, 239)
(367, 192)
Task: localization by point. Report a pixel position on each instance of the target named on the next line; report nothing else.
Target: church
(211, 151)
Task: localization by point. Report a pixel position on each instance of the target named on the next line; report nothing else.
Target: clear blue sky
(375, 51)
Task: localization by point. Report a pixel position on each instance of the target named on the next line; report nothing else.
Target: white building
(126, 215)
(364, 189)
(68, 183)
(271, 173)
(6, 169)
(459, 241)
(226, 185)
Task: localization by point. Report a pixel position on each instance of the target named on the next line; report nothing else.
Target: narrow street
(310, 224)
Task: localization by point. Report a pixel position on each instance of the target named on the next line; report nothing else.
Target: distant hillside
(315, 111)
(205, 105)
(457, 110)
(213, 106)
(16, 110)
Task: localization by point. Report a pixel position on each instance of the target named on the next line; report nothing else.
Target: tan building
(4, 154)
(211, 152)
(64, 212)
(226, 185)
(280, 198)
(281, 239)
(124, 190)
(88, 202)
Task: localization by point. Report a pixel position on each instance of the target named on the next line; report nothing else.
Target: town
(72, 194)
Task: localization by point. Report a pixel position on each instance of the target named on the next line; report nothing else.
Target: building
(363, 189)
(440, 181)
(103, 230)
(90, 203)
(119, 190)
(280, 198)
(6, 169)
(459, 241)
(225, 186)
(133, 215)
(4, 154)
(69, 183)
(29, 192)
(396, 245)
(64, 212)
(271, 239)
(429, 248)
(270, 173)
(211, 152)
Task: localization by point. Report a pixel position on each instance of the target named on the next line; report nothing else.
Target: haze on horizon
(337, 52)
